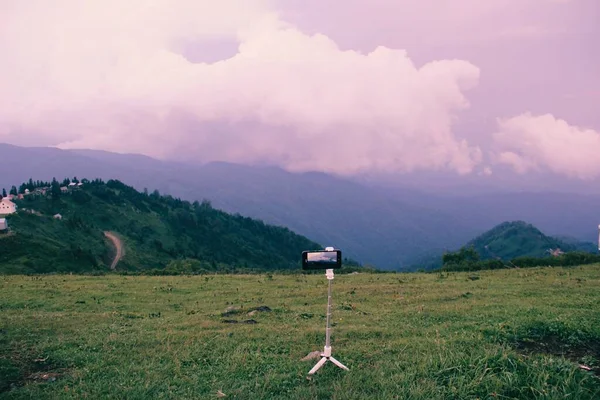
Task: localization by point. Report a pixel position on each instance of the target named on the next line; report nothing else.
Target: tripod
(326, 354)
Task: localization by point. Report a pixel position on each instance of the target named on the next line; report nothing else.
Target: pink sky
(344, 87)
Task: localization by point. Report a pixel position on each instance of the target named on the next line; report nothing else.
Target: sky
(467, 87)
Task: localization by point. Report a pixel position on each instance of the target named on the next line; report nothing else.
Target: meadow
(522, 334)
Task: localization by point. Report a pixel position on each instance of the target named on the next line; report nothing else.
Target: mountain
(516, 244)
(555, 213)
(64, 231)
(510, 240)
(516, 239)
(368, 225)
(389, 227)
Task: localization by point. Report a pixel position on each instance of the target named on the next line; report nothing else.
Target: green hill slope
(516, 239)
(587, 247)
(156, 230)
(509, 241)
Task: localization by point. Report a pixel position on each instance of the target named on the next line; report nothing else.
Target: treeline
(32, 185)
(468, 259)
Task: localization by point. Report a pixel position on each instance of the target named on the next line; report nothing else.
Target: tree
(206, 205)
(464, 259)
(4, 192)
(55, 189)
(464, 254)
(13, 190)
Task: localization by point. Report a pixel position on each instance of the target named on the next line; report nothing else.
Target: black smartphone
(322, 259)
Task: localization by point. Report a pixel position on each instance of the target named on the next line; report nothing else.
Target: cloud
(486, 171)
(112, 75)
(527, 31)
(542, 142)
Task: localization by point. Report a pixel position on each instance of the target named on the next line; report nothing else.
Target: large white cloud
(112, 75)
(543, 142)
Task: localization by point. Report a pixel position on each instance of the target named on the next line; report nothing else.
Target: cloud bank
(542, 142)
(115, 75)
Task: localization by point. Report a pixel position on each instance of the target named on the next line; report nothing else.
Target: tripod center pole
(329, 275)
(326, 355)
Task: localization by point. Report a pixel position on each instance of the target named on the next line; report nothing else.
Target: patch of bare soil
(585, 354)
(20, 370)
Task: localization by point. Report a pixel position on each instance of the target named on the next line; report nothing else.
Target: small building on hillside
(57, 216)
(7, 207)
(64, 189)
(3, 225)
(556, 252)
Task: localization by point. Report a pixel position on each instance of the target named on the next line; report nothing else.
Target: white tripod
(326, 354)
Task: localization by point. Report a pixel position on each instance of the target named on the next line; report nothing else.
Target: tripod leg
(339, 364)
(318, 365)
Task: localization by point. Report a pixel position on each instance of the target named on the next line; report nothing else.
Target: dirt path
(118, 246)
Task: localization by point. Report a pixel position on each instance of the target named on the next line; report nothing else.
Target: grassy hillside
(155, 229)
(516, 239)
(42, 244)
(509, 334)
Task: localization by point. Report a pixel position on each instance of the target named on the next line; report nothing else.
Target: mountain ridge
(385, 227)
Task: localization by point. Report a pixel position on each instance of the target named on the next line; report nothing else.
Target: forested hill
(517, 239)
(157, 232)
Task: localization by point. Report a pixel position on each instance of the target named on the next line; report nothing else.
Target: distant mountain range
(390, 228)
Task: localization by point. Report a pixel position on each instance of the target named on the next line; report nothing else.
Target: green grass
(404, 336)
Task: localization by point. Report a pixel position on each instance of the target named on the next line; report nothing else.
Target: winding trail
(118, 246)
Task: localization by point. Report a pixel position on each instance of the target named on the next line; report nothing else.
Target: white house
(3, 224)
(7, 207)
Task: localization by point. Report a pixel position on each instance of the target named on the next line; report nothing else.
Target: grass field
(491, 335)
